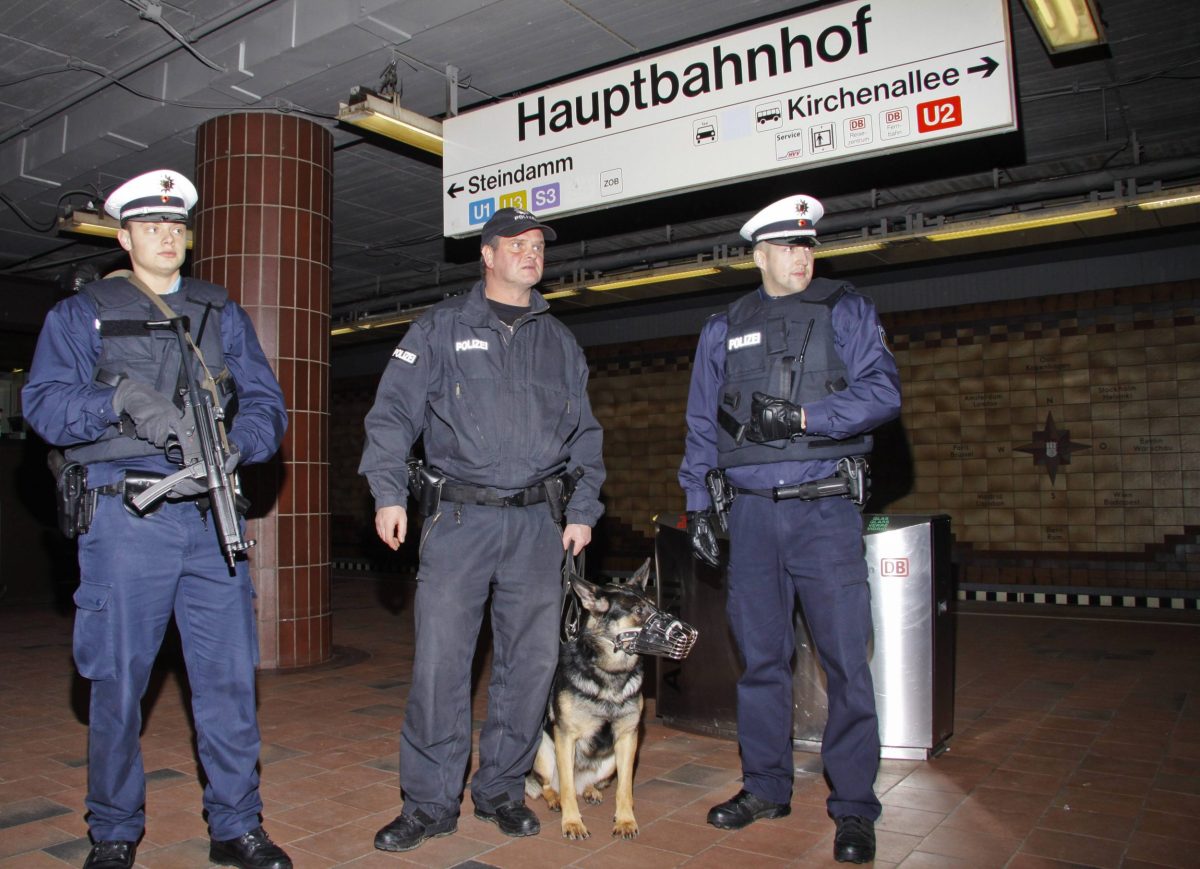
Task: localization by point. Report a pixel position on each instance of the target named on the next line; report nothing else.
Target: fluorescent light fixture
(1015, 223)
(653, 277)
(343, 330)
(747, 263)
(561, 294)
(96, 225)
(387, 118)
(1066, 25)
(1170, 199)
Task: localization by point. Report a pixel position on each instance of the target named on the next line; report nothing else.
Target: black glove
(154, 416)
(772, 419)
(194, 486)
(703, 537)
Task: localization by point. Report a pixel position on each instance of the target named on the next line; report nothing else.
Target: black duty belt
(459, 493)
(827, 488)
(849, 482)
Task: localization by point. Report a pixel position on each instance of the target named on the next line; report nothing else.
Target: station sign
(840, 83)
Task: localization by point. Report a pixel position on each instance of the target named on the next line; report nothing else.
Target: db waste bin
(912, 658)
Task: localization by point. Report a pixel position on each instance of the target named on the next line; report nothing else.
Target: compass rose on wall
(1052, 447)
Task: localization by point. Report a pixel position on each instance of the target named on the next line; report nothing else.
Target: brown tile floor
(1077, 743)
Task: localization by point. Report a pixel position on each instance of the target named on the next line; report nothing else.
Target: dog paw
(592, 796)
(625, 829)
(574, 830)
(552, 801)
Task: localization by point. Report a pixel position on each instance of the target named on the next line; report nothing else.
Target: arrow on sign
(456, 189)
(988, 67)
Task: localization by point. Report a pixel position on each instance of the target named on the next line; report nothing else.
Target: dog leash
(572, 611)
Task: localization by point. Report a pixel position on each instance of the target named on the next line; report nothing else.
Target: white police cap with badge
(789, 221)
(163, 195)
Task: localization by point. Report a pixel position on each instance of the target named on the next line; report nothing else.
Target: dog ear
(641, 578)
(589, 595)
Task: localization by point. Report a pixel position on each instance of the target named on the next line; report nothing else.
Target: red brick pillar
(262, 230)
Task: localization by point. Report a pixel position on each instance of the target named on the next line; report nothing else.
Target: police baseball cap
(508, 222)
(789, 221)
(163, 195)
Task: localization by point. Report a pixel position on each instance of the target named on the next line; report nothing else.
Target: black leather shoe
(744, 809)
(408, 831)
(252, 850)
(513, 819)
(855, 840)
(111, 855)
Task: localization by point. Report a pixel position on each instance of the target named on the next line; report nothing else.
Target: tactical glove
(703, 537)
(773, 419)
(154, 417)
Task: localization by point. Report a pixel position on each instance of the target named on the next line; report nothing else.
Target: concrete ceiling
(94, 91)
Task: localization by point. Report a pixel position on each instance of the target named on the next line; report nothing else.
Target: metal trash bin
(912, 662)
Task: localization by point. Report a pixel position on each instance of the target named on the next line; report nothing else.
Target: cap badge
(167, 184)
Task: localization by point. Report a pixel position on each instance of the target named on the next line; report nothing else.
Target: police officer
(786, 384)
(105, 386)
(497, 389)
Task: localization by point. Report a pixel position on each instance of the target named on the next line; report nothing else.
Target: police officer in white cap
(105, 386)
(787, 384)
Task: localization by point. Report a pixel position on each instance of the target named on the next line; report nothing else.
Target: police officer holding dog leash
(106, 383)
(497, 389)
(786, 385)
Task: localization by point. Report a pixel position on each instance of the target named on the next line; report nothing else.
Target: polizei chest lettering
(750, 339)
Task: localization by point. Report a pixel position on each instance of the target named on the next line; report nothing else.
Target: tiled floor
(1077, 743)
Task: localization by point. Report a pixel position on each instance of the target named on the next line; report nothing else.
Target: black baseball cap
(509, 222)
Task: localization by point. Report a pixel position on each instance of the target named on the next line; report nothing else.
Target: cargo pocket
(93, 643)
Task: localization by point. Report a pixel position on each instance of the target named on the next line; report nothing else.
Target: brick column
(262, 230)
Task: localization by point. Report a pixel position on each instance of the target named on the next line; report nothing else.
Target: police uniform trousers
(137, 572)
(468, 552)
(811, 550)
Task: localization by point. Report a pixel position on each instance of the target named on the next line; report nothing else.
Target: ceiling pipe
(957, 203)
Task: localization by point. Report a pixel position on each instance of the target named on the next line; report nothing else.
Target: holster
(559, 490)
(75, 504)
(425, 486)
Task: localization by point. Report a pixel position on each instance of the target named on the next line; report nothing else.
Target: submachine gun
(203, 450)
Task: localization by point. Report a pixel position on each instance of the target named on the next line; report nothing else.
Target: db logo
(893, 567)
(894, 116)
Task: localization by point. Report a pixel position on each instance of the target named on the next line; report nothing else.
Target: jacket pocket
(94, 645)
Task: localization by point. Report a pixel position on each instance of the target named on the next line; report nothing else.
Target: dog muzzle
(662, 635)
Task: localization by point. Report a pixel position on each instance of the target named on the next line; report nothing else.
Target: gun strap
(209, 384)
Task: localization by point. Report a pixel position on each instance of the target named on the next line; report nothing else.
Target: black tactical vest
(785, 348)
(128, 347)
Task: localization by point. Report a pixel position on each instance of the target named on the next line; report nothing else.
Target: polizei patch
(472, 344)
(750, 339)
(405, 355)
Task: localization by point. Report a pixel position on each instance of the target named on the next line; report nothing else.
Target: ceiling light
(653, 277)
(747, 263)
(1014, 223)
(1169, 199)
(1065, 25)
(561, 294)
(385, 117)
(343, 330)
(96, 225)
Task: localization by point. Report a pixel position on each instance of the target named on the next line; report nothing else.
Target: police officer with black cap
(104, 385)
(787, 384)
(497, 390)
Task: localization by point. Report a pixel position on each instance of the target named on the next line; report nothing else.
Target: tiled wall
(1061, 434)
(263, 231)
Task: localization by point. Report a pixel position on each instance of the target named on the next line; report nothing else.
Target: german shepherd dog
(595, 709)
